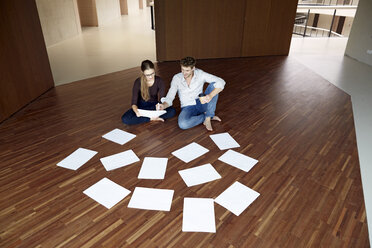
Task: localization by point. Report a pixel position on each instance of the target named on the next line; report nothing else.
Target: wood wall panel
(168, 32)
(255, 41)
(212, 29)
(25, 70)
(220, 29)
(281, 21)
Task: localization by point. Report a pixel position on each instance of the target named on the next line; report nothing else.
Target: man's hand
(162, 106)
(159, 106)
(205, 99)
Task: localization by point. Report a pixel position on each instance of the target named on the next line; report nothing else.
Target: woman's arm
(136, 91)
(135, 109)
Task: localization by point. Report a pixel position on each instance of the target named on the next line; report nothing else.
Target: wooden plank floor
(299, 127)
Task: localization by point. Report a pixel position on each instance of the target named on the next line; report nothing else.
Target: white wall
(360, 39)
(325, 21)
(107, 10)
(133, 7)
(59, 20)
(347, 26)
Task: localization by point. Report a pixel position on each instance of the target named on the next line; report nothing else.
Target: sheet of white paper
(77, 159)
(198, 175)
(190, 152)
(119, 160)
(237, 198)
(151, 199)
(119, 136)
(238, 160)
(106, 192)
(198, 215)
(153, 168)
(224, 141)
(151, 113)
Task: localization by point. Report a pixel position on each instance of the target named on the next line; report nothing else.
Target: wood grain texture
(168, 34)
(222, 29)
(299, 126)
(25, 71)
(268, 27)
(203, 29)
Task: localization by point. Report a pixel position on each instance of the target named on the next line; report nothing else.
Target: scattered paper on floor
(224, 141)
(238, 160)
(151, 199)
(199, 174)
(119, 136)
(106, 192)
(198, 215)
(119, 160)
(190, 152)
(153, 168)
(76, 159)
(237, 198)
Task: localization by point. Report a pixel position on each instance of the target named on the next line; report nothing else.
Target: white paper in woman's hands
(151, 113)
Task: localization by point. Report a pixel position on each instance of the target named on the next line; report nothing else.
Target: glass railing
(324, 20)
(328, 2)
(308, 31)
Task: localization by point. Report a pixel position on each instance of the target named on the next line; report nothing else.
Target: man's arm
(208, 98)
(219, 85)
(168, 100)
(209, 78)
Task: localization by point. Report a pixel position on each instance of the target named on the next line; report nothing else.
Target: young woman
(146, 94)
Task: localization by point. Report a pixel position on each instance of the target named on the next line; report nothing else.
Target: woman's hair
(145, 65)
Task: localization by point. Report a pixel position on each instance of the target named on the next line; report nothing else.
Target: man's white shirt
(188, 94)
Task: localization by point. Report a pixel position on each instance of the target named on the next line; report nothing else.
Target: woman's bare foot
(207, 124)
(216, 118)
(156, 119)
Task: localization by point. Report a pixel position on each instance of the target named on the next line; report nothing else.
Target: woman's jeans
(194, 115)
(130, 118)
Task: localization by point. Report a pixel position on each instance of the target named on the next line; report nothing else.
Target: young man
(196, 107)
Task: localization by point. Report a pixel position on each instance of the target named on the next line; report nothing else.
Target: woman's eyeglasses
(149, 75)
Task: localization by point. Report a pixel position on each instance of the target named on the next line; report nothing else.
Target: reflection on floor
(325, 56)
(125, 43)
(281, 113)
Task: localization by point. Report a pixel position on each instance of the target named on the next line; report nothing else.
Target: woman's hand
(135, 110)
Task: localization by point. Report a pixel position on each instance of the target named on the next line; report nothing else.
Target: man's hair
(188, 62)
